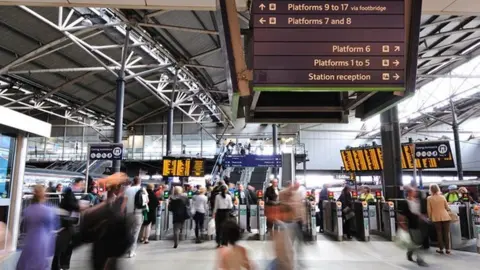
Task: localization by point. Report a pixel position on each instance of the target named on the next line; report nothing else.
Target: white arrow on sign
(262, 6)
(396, 76)
(262, 20)
(396, 63)
(397, 48)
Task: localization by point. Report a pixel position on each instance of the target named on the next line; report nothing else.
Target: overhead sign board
(335, 45)
(183, 167)
(197, 167)
(253, 161)
(428, 155)
(107, 151)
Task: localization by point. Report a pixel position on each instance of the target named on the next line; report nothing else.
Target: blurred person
(245, 198)
(283, 240)
(346, 200)
(215, 191)
(415, 224)
(151, 216)
(200, 207)
(271, 199)
(221, 211)
(292, 197)
(178, 206)
(367, 195)
(322, 197)
(438, 212)
(132, 209)
(452, 195)
(464, 193)
(92, 196)
(232, 256)
(40, 222)
(50, 188)
(69, 213)
(58, 188)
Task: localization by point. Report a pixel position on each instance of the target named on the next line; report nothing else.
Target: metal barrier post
(391, 211)
(313, 220)
(158, 222)
(262, 223)
(366, 223)
(339, 221)
(476, 224)
(242, 217)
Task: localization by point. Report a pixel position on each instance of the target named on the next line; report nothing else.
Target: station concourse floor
(324, 254)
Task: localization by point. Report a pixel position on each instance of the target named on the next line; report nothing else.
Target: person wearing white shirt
(137, 219)
(221, 211)
(199, 206)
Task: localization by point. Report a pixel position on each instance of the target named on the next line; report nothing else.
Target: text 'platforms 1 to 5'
(329, 45)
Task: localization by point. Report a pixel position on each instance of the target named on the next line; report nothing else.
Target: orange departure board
(427, 155)
(169, 167)
(198, 167)
(183, 167)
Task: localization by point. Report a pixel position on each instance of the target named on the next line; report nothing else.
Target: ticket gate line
(333, 219)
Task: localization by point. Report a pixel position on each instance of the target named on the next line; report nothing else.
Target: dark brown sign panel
(328, 62)
(329, 44)
(329, 21)
(329, 7)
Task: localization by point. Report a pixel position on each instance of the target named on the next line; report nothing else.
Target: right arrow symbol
(397, 48)
(396, 77)
(396, 63)
(262, 20)
(262, 6)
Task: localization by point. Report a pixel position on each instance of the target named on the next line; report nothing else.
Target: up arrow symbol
(262, 6)
(262, 20)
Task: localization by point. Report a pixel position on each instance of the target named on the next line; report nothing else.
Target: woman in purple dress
(40, 222)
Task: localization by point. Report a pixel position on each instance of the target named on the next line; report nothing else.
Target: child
(233, 256)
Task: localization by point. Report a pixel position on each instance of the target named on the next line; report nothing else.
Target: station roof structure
(64, 61)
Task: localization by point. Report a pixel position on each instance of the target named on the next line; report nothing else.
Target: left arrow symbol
(262, 6)
(262, 20)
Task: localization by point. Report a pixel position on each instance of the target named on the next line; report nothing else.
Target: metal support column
(391, 148)
(274, 145)
(456, 139)
(143, 144)
(83, 143)
(171, 114)
(64, 138)
(120, 99)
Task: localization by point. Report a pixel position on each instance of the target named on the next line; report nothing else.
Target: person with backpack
(137, 201)
(178, 205)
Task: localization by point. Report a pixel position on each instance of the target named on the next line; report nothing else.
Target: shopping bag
(403, 239)
(211, 227)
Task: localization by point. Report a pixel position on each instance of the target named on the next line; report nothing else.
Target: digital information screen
(183, 167)
(198, 167)
(335, 45)
(428, 155)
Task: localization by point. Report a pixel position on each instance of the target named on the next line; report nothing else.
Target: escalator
(258, 177)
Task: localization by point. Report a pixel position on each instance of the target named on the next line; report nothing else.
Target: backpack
(140, 200)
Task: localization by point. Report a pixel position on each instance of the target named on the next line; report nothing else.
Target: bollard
(339, 222)
(476, 224)
(366, 223)
(262, 223)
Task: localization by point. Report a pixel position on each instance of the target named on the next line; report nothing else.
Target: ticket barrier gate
(476, 225)
(361, 224)
(382, 219)
(463, 231)
(261, 220)
(160, 221)
(311, 219)
(332, 219)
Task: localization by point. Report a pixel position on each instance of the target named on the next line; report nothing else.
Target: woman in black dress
(152, 214)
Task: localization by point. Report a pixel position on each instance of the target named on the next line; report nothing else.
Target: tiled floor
(325, 254)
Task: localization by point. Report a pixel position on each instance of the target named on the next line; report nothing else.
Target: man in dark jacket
(245, 198)
(322, 197)
(271, 198)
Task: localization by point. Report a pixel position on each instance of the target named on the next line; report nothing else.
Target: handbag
(348, 213)
(453, 216)
(211, 227)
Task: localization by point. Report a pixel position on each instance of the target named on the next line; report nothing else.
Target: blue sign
(253, 161)
(111, 151)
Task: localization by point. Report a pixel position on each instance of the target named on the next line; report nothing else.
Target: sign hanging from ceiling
(336, 45)
(253, 161)
(427, 155)
(182, 167)
(105, 151)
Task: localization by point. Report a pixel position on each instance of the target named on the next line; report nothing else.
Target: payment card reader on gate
(166, 194)
(313, 220)
(262, 222)
(339, 232)
(190, 194)
(366, 221)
